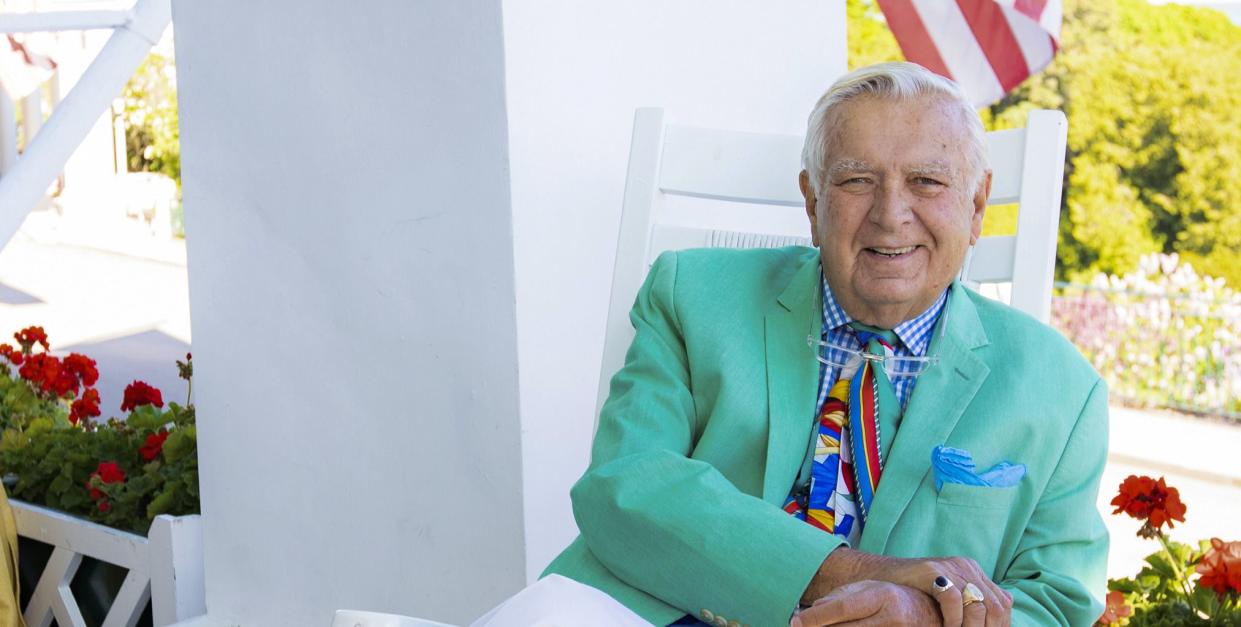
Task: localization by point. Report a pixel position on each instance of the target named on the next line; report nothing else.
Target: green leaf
(180, 443)
(12, 439)
(1205, 600)
(38, 426)
(1161, 565)
(163, 502)
(146, 417)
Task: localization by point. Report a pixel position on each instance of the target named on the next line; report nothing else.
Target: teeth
(892, 252)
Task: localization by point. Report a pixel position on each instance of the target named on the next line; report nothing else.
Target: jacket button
(707, 616)
(720, 621)
(733, 623)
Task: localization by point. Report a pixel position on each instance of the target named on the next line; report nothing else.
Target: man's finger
(975, 615)
(996, 599)
(999, 608)
(847, 603)
(870, 621)
(949, 601)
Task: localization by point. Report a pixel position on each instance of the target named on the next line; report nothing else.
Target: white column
(8, 133)
(351, 288)
(32, 114)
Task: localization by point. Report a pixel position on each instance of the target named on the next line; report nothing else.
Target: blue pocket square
(953, 465)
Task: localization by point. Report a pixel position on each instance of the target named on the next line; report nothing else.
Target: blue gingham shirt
(915, 338)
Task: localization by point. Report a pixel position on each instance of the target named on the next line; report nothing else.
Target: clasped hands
(861, 589)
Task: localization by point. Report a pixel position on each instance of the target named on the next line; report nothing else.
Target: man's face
(897, 209)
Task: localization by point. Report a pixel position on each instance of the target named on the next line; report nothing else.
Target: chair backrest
(750, 178)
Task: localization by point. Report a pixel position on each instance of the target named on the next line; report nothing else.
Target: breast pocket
(973, 521)
(975, 496)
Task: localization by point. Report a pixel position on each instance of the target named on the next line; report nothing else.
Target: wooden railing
(164, 569)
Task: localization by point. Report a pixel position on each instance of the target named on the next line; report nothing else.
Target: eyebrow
(935, 167)
(848, 165)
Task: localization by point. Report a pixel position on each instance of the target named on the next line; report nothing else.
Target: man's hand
(844, 566)
(866, 603)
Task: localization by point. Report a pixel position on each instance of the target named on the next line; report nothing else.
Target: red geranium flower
(42, 371)
(1149, 500)
(85, 407)
(12, 354)
(30, 336)
(107, 472)
(153, 446)
(64, 384)
(1116, 611)
(139, 393)
(104, 506)
(110, 472)
(82, 367)
(1221, 567)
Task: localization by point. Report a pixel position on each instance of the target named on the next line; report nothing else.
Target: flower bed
(120, 473)
(1162, 336)
(89, 492)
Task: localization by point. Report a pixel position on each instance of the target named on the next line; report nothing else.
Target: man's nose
(892, 207)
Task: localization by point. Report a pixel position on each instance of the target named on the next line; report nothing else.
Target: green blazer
(708, 423)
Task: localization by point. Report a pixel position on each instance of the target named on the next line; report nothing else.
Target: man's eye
(926, 180)
(857, 180)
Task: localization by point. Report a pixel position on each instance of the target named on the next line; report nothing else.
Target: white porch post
(8, 133)
(401, 218)
(32, 114)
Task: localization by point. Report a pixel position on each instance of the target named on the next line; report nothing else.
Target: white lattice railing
(164, 568)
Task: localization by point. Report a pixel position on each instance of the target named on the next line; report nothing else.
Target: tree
(152, 136)
(1153, 163)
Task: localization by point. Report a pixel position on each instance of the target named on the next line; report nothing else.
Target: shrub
(118, 473)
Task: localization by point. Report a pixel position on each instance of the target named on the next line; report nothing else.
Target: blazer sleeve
(1059, 574)
(671, 525)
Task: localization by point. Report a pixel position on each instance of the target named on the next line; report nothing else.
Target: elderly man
(742, 474)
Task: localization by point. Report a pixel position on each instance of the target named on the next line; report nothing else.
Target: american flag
(987, 46)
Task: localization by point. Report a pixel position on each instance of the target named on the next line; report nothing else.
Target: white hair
(893, 81)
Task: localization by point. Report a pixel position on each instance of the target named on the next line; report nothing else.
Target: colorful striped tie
(863, 403)
(873, 410)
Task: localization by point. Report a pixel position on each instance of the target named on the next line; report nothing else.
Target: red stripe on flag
(1031, 8)
(995, 37)
(916, 44)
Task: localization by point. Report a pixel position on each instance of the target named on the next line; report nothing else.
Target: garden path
(121, 296)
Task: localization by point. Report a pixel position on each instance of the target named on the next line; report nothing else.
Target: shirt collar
(914, 333)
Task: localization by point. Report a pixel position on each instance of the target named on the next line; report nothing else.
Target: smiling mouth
(892, 253)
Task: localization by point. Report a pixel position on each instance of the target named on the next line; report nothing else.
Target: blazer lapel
(792, 379)
(939, 398)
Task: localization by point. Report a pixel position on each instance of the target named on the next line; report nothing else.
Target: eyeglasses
(849, 359)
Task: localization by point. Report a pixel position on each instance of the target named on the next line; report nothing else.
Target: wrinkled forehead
(920, 134)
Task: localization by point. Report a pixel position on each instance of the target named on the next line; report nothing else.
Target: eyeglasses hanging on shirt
(849, 359)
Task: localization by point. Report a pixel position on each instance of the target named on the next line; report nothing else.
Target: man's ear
(807, 192)
(980, 207)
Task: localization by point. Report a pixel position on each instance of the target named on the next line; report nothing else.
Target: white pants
(556, 601)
